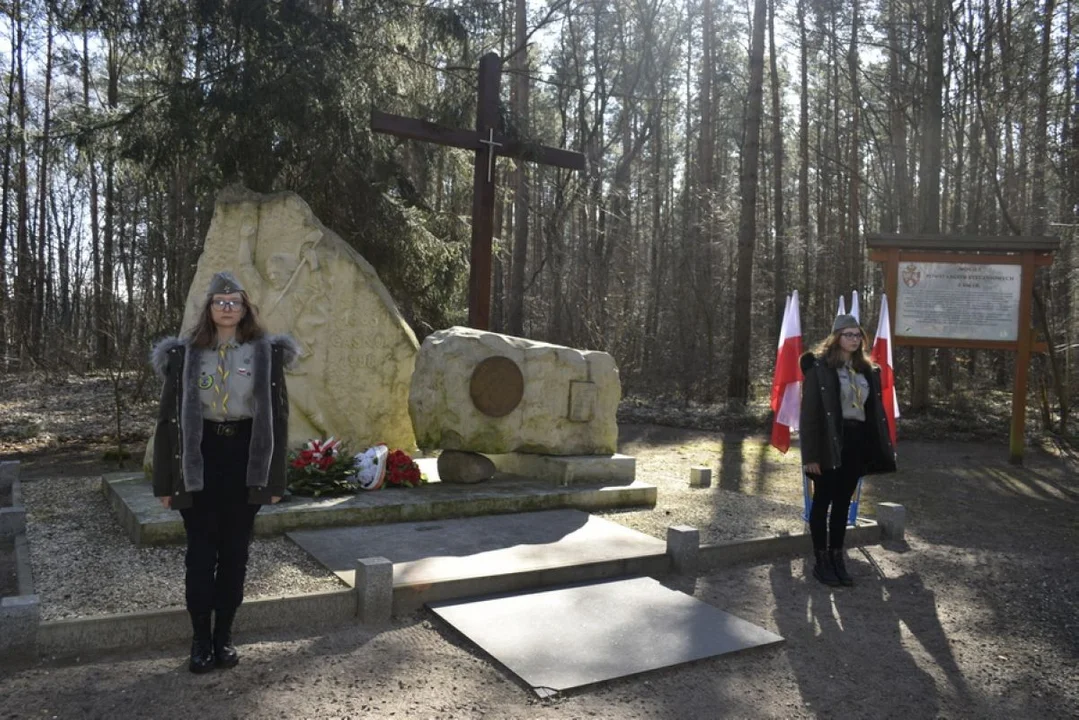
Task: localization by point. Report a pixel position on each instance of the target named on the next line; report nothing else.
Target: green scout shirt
(226, 381)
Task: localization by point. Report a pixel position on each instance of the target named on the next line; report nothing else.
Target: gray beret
(842, 322)
(224, 283)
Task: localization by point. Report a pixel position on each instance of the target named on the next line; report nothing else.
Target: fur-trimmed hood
(809, 360)
(159, 355)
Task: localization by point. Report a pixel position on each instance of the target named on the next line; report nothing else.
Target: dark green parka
(821, 420)
(178, 463)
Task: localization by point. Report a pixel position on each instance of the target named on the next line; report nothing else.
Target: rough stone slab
(357, 353)
(562, 401)
(425, 553)
(569, 469)
(147, 523)
(564, 638)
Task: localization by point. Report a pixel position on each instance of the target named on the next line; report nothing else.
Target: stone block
(700, 477)
(464, 468)
(684, 548)
(494, 394)
(892, 518)
(9, 470)
(19, 618)
(374, 590)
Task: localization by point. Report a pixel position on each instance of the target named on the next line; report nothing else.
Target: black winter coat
(821, 421)
(178, 463)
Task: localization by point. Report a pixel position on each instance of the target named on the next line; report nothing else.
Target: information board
(958, 301)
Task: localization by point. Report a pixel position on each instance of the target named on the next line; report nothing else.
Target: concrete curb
(12, 519)
(158, 627)
(721, 555)
(341, 607)
(24, 571)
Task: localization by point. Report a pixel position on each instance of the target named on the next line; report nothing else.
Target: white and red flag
(855, 310)
(787, 381)
(882, 355)
(842, 309)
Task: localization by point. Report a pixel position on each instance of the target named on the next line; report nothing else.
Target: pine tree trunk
(738, 385)
(780, 275)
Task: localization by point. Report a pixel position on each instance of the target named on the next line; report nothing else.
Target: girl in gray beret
(844, 435)
(220, 452)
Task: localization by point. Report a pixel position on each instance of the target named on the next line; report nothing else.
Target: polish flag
(882, 355)
(855, 310)
(787, 382)
(842, 309)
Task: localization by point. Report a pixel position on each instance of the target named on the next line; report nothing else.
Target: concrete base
(147, 523)
(467, 557)
(569, 469)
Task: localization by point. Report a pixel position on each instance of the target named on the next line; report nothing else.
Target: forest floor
(975, 615)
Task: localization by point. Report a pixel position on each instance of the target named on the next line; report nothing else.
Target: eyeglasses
(228, 304)
(851, 335)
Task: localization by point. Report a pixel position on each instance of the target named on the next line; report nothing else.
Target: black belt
(227, 428)
(852, 422)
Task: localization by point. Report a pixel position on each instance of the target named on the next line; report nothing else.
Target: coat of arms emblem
(911, 275)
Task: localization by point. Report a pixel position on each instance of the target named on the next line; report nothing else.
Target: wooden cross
(487, 141)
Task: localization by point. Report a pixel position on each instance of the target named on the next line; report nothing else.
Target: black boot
(225, 655)
(839, 564)
(202, 651)
(823, 570)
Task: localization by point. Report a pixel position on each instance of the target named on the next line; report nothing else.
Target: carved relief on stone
(357, 352)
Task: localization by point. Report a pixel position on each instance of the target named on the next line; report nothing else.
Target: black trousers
(833, 490)
(220, 522)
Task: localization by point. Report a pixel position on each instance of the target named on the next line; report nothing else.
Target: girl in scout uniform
(220, 452)
(844, 435)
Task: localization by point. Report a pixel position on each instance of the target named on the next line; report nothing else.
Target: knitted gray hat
(224, 283)
(842, 322)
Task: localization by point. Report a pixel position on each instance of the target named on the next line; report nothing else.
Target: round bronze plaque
(497, 386)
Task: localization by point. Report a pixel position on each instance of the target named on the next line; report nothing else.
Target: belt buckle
(226, 430)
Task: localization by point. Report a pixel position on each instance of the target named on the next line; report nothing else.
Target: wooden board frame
(1027, 252)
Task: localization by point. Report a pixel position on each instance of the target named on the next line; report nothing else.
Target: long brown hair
(830, 352)
(204, 334)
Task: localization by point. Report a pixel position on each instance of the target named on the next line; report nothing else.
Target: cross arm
(541, 154)
(414, 129)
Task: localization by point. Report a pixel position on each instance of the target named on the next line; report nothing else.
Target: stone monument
(357, 354)
(535, 408)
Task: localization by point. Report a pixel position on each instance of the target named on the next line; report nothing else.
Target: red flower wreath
(402, 470)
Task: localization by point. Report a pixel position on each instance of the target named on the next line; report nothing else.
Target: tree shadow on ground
(860, 654)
